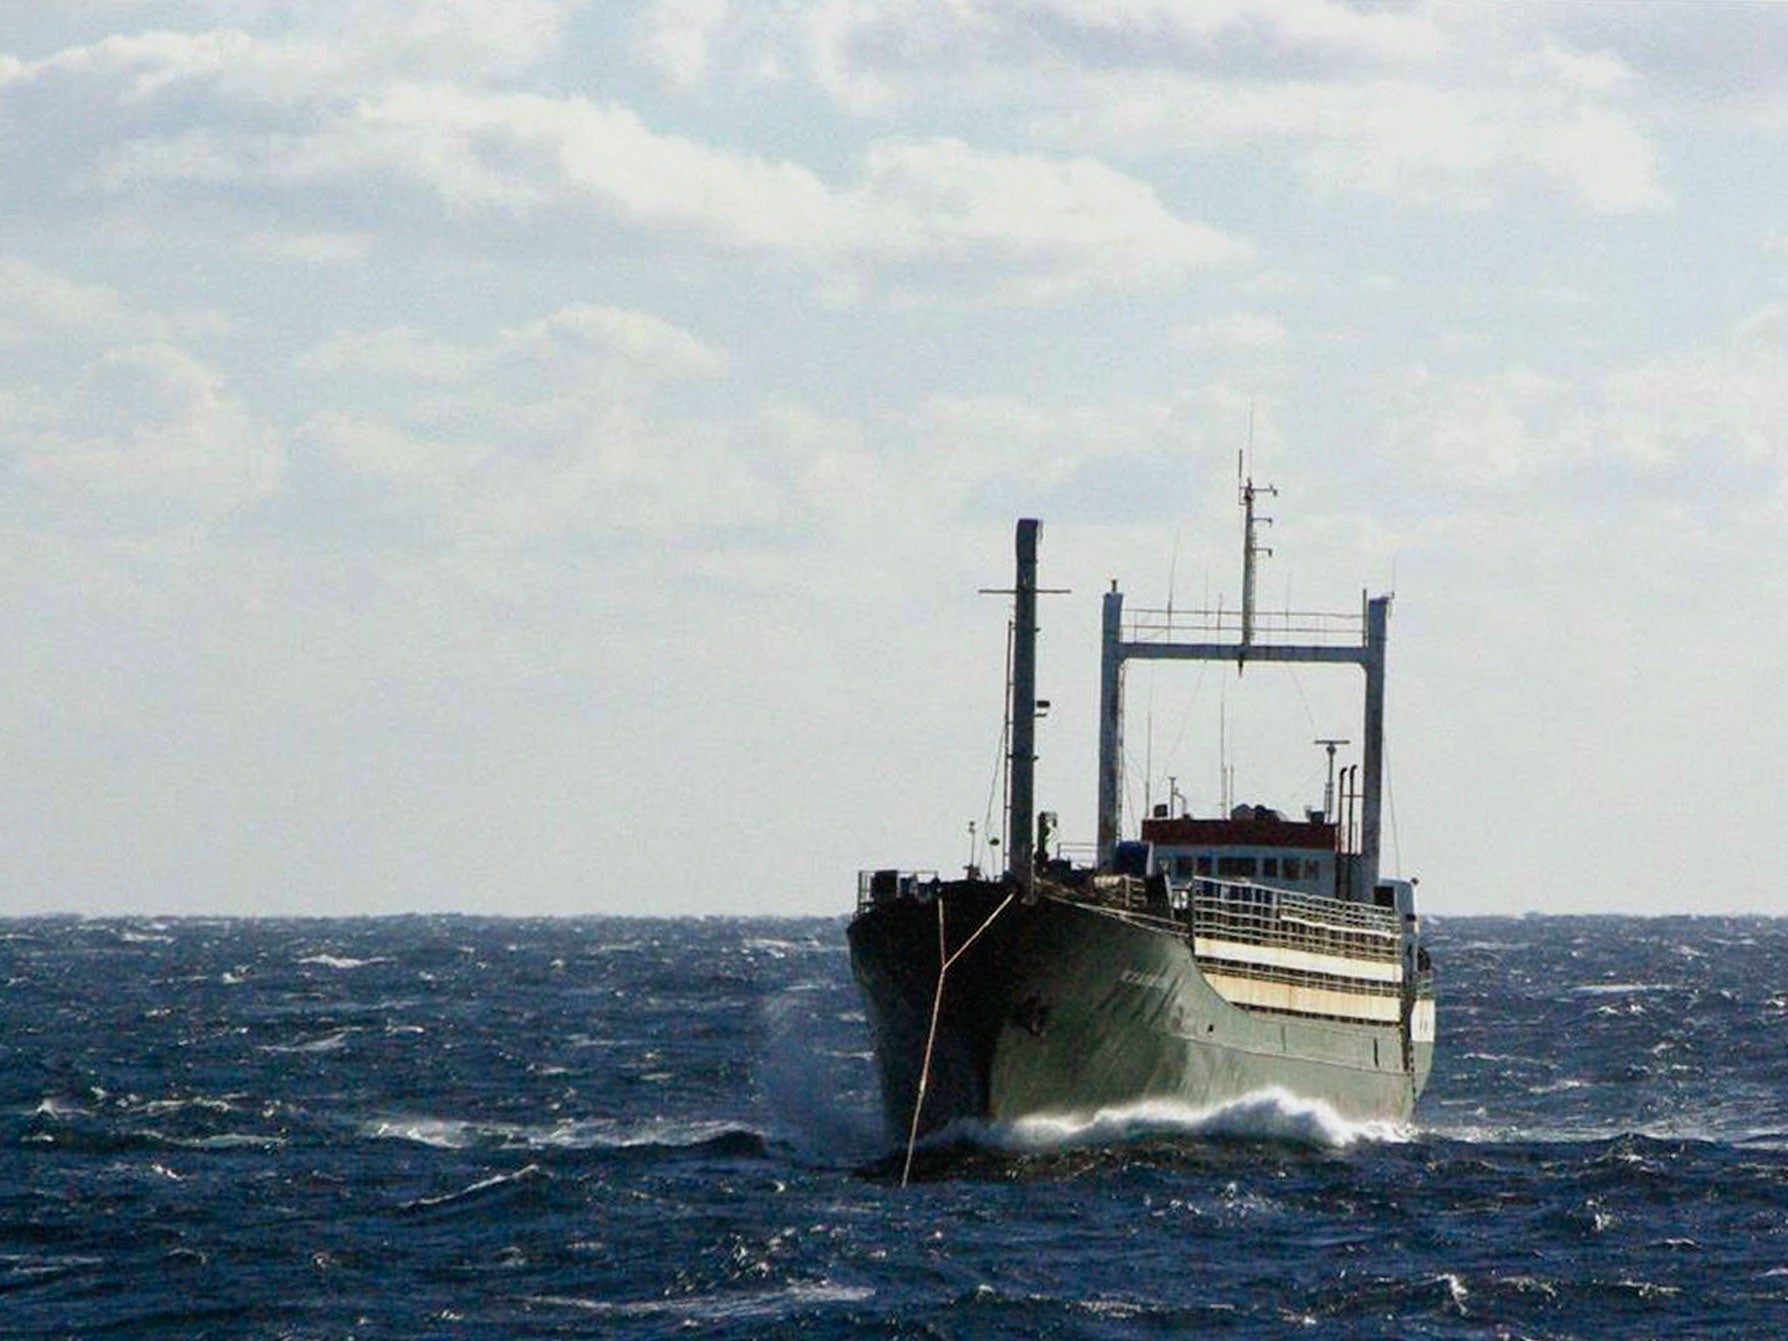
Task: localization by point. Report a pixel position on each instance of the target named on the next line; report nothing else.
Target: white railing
(1286, 919)
(885, 886)
(1162, 625)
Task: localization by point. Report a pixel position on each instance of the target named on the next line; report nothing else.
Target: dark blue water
(445, 1127)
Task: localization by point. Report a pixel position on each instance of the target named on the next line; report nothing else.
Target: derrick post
(1023, 707)
(1111, 724)
(1372, 749)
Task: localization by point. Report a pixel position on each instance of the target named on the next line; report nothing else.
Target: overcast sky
(540, 456)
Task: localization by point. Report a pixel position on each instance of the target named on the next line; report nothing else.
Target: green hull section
(1064, 1008)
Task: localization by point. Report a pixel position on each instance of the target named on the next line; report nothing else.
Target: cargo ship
(1198, 960)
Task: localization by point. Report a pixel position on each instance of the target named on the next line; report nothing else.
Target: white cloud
(870, 53)
(1436, 108)
(35, 301)
(1041, 226)
(44, 306)
(575, 345)
(674, 36)
(297, 52)
(943, 215)
(544, 430)
(147, 435)
(1602, 158)
(1237, 331)
(312, 247)
(395, 351)
(336, 140)
(1415, 143)
(1702, 428)
(1591, 71)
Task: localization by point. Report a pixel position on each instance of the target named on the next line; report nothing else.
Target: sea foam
(1266, 1115)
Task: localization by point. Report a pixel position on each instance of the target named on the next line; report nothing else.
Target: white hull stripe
(1305, 1000)
(1336, 966)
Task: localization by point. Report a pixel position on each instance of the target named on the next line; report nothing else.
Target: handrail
(1260, 915)
(1322, 909)
(1147, 624)
(921, 885)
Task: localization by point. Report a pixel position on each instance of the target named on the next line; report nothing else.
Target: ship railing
(887, 886)
(1288, 919)
(1147, 625)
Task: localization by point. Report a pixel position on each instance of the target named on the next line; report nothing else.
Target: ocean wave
(662, 1135)
(343, 961)
(1621, 988)
(497, 1183)
(1274, 1115)
(329, 1042)
(730, 1306)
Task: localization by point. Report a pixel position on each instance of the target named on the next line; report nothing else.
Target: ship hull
(1063, 1008)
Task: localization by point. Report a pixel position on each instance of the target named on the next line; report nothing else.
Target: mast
(1378, 611)
(1249, 550)
(1156, 642)
(1111, 724)
(1020, 819)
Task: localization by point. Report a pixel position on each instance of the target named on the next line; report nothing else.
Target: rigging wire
(1390, 801)
(1186, 717)
(1001, 760)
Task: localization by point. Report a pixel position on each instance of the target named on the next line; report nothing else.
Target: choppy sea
(453, 1127)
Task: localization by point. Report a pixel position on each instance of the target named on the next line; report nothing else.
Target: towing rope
(937, 1001)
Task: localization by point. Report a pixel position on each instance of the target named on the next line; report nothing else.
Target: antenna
(1328, 789)
(1245, 484)
(1249, 549)
(1223, 775)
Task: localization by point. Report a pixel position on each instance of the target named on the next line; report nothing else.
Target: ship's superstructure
(1201, 960)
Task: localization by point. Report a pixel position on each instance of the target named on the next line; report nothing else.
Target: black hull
(1065, 1008)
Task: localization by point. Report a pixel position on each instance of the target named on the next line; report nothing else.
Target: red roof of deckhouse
(1313, 835)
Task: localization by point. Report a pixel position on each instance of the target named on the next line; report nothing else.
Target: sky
(542, 457)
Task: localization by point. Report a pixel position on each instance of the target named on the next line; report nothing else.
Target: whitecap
(56, 1108)
(441, 1133)
(521, 1175)
(156, 1107)
(342, 961)
(1457, 1294)
(1266, 1115)
(569, 1134)
(229, 1140)
(325, 1043)
(731, 1306)
(1614, 988)
(608, 1134)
